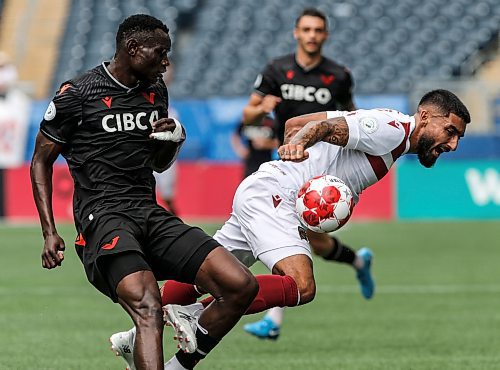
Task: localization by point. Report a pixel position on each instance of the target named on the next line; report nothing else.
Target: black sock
(340, 253)
(205, 344)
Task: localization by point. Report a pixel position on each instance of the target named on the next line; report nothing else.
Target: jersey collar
(105, 67)
(412, 127)
(307, 69)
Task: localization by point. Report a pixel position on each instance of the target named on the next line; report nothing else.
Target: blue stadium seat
(229, 41)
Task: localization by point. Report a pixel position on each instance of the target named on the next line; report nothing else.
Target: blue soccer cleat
(364, 274)
(263, 329)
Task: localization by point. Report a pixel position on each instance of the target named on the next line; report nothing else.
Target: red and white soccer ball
(324, 204)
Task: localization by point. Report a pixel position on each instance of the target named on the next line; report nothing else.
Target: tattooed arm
(334, 131)
(294, 124)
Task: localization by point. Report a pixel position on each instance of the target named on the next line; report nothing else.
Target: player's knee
(148, 313)
(146, 310)
(244, 289)
(307, 292)
(252, 288)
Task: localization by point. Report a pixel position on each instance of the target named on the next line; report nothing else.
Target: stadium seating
(91, 28)
(388, 44)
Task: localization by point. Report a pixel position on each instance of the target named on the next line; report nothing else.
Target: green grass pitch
(437, 306)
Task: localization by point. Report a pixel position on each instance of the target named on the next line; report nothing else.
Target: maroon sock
(173, 292)
(274, 291)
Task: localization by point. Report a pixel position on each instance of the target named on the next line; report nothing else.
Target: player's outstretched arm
(293, 125)
(44, 156)
(333, 130)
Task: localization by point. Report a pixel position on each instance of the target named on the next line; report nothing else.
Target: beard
(424, 151)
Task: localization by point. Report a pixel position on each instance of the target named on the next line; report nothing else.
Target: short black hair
(313, 12)
(137, 24)
(447, 103)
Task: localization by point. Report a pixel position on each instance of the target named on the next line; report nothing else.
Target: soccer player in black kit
(302, 82)
(296, 84)
(111, 126)
(260, 142)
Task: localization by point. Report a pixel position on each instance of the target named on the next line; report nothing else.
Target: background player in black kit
(255, 144)
(296, 84)
(302, 82)
(111, 126)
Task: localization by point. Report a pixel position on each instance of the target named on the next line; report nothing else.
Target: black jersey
(327, 86)
(104, 128)
(257, 156)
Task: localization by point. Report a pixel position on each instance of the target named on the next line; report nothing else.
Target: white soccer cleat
(182, 320)
(122, 344)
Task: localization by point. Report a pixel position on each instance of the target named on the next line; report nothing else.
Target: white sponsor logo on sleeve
(368, 124)
(50, 113)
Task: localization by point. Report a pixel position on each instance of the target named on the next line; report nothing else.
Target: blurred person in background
(295, 84)
(302, 82)
(255, 144)
(8, 75)
(14, 115)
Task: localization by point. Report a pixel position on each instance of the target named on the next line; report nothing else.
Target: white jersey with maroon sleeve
(264, 224)
(377, 137)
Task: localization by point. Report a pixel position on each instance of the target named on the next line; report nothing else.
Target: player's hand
(164, 124)
(167, 129)
(293, 153)
(269, 102)
(53, 251)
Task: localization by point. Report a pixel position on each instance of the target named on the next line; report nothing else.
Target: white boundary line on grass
(413, 289)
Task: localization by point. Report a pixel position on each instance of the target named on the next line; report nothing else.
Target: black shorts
(170, 248)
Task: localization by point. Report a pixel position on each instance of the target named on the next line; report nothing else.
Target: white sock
(358, 263)
(173, 364)
(276, 314)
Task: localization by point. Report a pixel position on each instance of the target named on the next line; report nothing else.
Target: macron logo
(484, 188)
(276, 200)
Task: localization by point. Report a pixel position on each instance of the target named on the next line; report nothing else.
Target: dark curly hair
(447, 103)
(139, 25)
(313, 12)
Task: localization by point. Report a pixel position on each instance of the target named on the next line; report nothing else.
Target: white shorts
(165, 181)
(263, 224)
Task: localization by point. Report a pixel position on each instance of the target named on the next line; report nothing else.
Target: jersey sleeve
(63, 114)
(266, 82)
(373, 131)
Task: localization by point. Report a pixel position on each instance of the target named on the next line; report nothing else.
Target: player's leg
(175, 292)
(233, 240)
(291, 284)
(189, 255)
(268, 225)
(332, 249)
(114, 264)
(269, 327)
(136, 289)
(138, 294)
(233, 288)
(178, 293)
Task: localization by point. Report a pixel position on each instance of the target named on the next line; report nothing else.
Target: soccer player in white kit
(358, 147)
